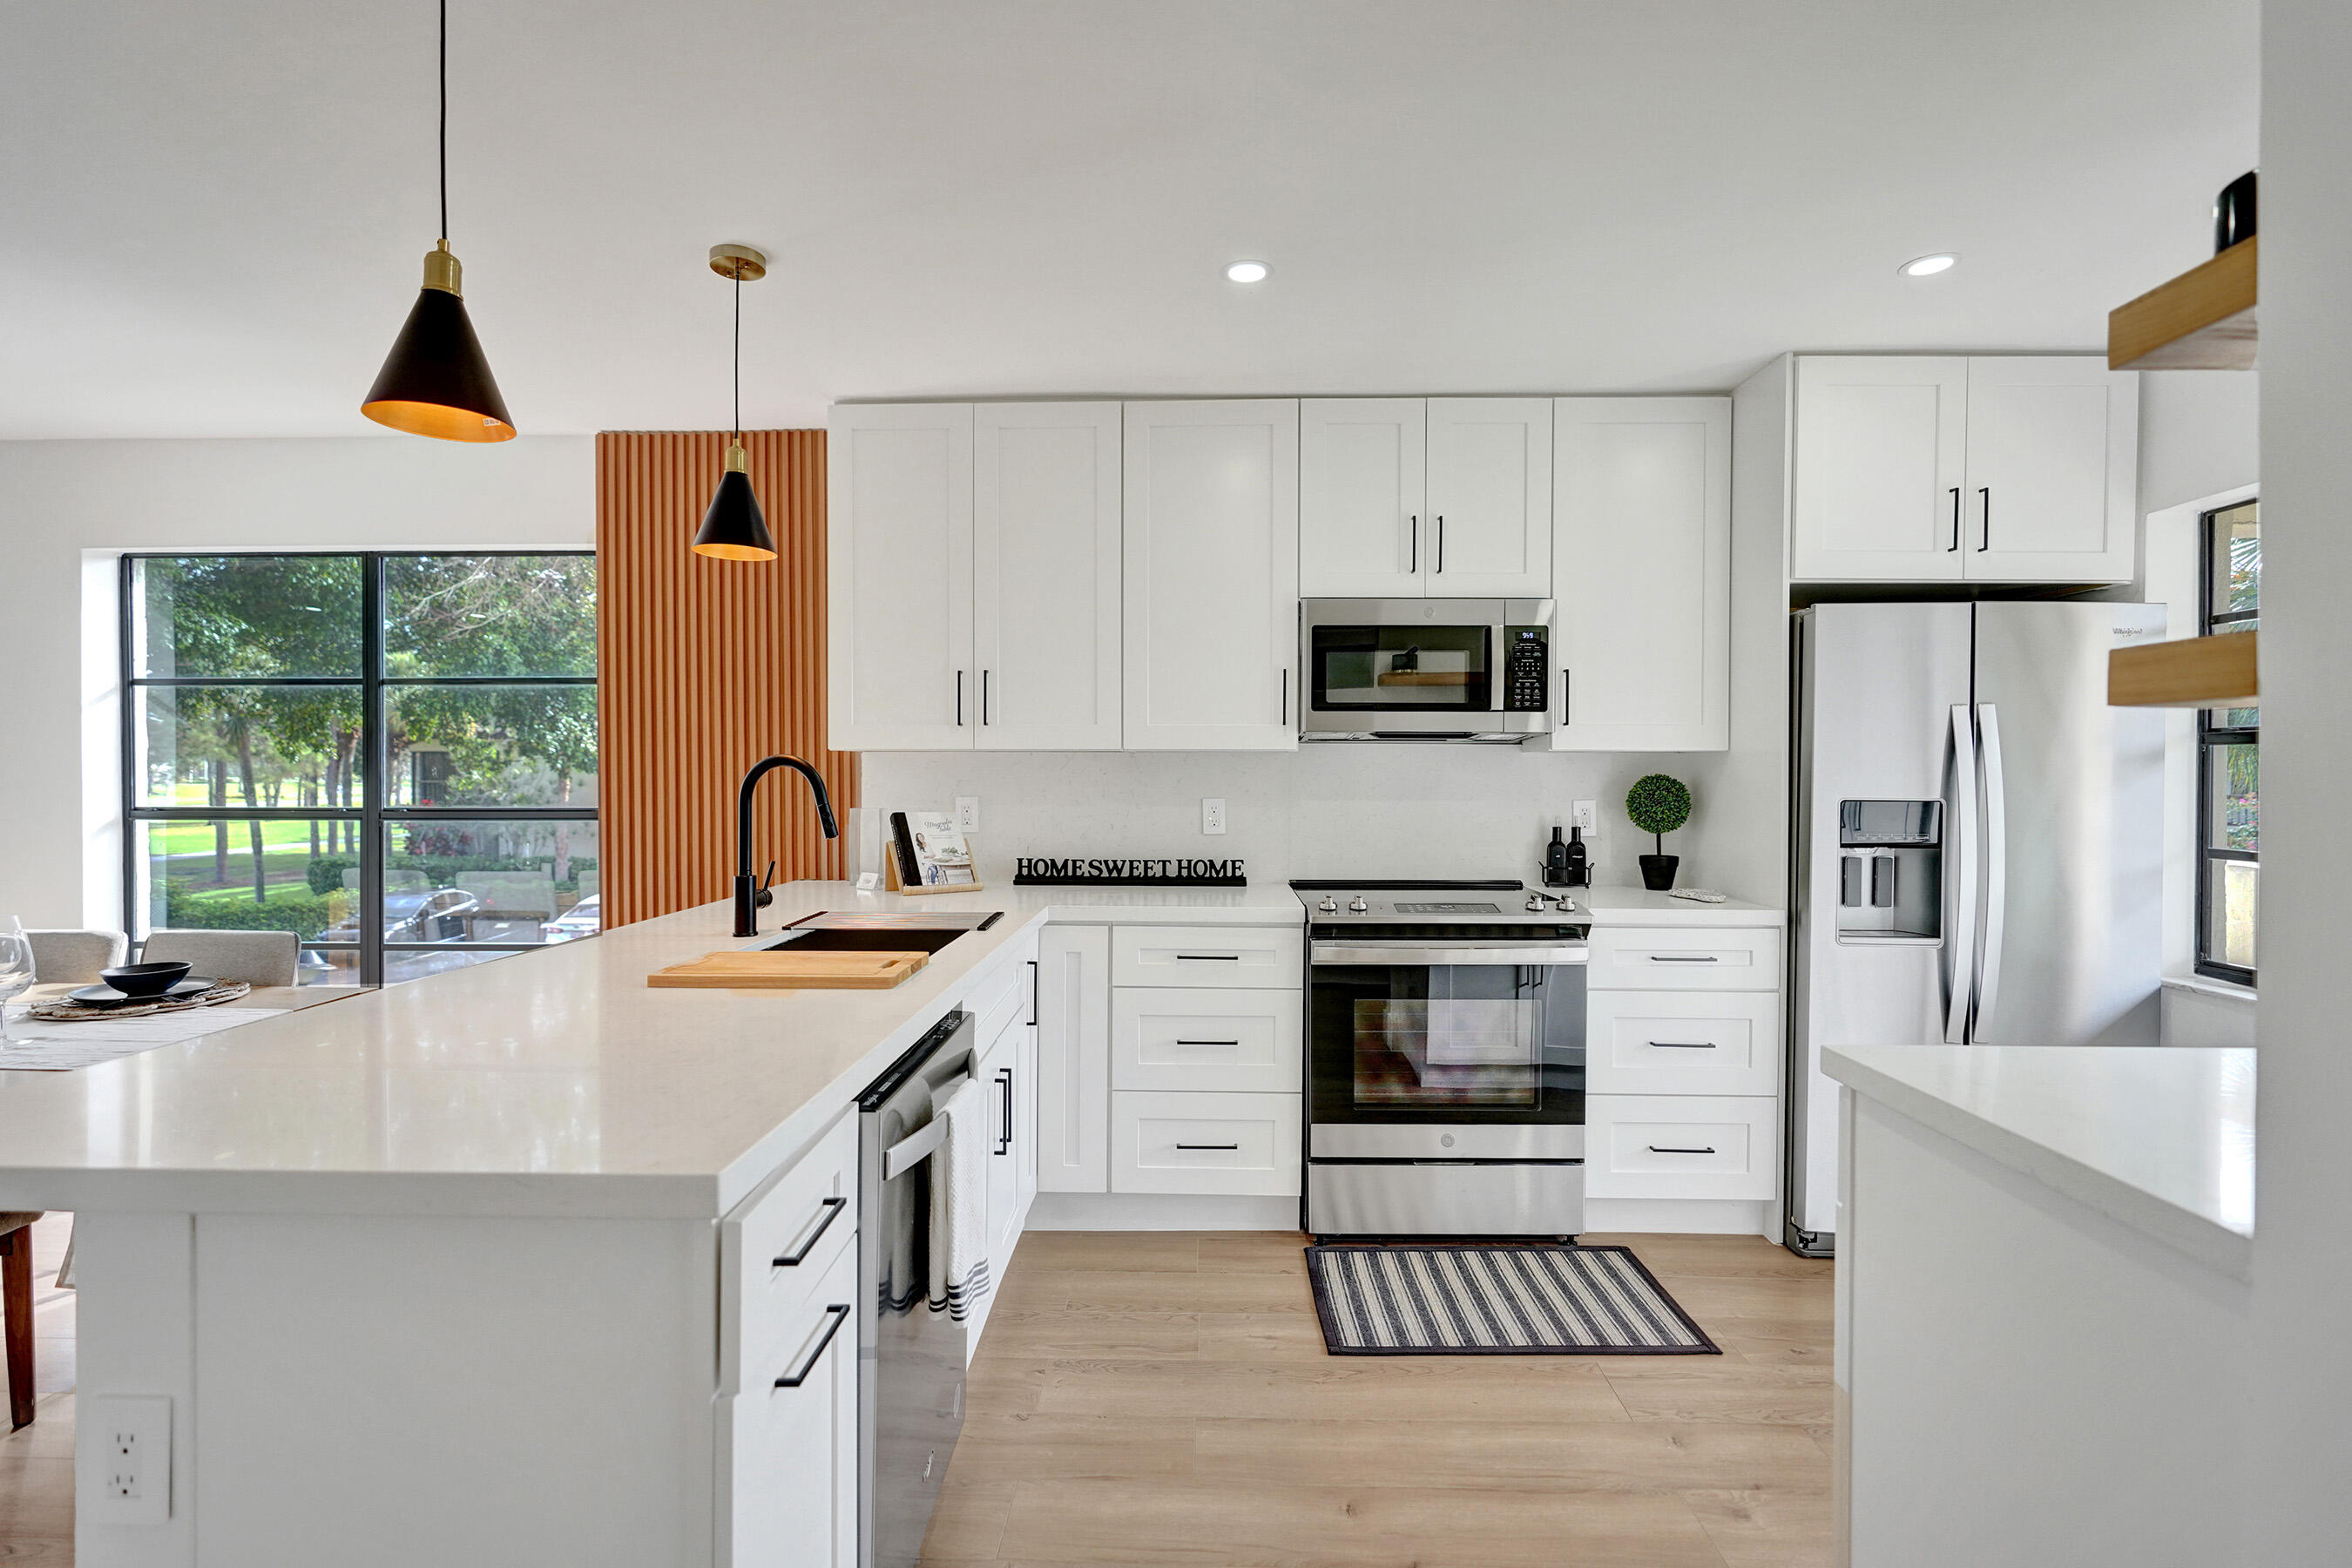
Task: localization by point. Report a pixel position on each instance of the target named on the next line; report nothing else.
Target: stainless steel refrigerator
(1977, 852)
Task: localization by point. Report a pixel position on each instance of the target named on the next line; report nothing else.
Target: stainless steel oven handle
(1409, 954)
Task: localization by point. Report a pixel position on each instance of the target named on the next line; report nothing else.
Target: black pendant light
(435, 382)
(734, 529)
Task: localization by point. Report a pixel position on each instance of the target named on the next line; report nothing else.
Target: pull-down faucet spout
(749, 894)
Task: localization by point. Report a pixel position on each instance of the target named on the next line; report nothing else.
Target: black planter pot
(1658, 871)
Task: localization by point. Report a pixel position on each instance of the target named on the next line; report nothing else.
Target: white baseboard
(1678, 1216)
(1160, 1211)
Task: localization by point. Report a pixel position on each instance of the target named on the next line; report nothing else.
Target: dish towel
(960, 1202)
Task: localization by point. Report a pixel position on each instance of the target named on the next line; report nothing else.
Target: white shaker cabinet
(1935, 468)
(1073, 1074)
(1412, 498)
(1045, 576)
(1641, 615)
(1490, 498)
(1212, 575)
(1361, 492)
(898, 561)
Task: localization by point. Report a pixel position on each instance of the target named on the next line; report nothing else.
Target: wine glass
(15, 967)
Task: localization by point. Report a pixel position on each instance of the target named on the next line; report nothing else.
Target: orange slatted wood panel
(708, 666)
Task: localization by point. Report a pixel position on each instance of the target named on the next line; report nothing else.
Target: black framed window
(393, 755)
(2229, 817)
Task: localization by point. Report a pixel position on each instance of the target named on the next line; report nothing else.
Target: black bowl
(144, 979)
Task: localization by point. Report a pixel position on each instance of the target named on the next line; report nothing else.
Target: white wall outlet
(968, 813)
(1212, 814)
(129, 1482)
(1586, 815)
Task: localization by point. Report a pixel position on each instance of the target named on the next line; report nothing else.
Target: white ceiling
(211, 216)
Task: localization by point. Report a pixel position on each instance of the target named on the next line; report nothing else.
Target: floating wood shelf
(2189, 672)
(2202, 320)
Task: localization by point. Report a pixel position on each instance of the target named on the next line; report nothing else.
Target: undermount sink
(874, 930)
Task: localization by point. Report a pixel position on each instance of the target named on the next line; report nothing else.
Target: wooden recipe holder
(894, 883)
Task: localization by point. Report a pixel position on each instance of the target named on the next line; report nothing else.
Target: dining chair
(74, 956)
(17, 1309)
(256, 957)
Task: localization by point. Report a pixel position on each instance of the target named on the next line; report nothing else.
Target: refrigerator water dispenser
(1890, 870)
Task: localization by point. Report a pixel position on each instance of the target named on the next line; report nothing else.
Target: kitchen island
(2043, 1257)
(433, 1275)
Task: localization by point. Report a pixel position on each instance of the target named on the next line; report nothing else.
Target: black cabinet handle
(1984, 540)
(1656, 1150)
(1236, 1044)
(1682, 958)
(1285, 694)
(1232, 1146)
(1566, 705)
(832, 1207)
(983, 696)
(1033, 992)
(1440, 565)
(1413, 568)
(1208, 958)
(959, 699)
(840, 1314)
(1684, 1045)
(1955, 546)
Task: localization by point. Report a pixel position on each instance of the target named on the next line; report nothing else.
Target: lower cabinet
(1073, 1060)
(1241, 1144)
(1681, 1146)
(787, 1440)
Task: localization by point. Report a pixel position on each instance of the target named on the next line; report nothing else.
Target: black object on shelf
(1658, 871)
(1566, 863)
(1040, 872)
(2234, 213)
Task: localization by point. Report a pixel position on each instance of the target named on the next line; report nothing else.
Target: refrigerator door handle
(1962, 856)
(1996, 835)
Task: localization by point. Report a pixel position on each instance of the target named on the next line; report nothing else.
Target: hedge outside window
(392, 756)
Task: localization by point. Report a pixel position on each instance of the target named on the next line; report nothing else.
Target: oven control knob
(1446, 1141)
(1327, 906)
(1356, 906)
(1535, 903)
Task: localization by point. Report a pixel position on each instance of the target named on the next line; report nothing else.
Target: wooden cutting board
(791, 970)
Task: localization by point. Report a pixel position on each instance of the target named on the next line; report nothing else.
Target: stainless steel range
(1446, 1059)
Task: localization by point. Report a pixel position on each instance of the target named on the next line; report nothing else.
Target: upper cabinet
(1212, 575)
(1045, 579)
(1409, 497)
(972, 566)
(1935, 468)
(1641, 619)
(900, 675)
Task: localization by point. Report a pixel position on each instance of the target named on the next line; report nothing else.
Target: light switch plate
(968, 813)
(1586, 815)
(1212, 814)
(126, 1472)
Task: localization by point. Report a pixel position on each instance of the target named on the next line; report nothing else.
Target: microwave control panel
(1527, 669)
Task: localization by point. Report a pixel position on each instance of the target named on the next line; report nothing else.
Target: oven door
(1430, 1051)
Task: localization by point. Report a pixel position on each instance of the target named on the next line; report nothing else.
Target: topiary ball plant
(1658, 804)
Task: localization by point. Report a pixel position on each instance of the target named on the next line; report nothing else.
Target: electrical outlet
(968, 813)
(1212, 814)
(1586, 815)
(130, 1480)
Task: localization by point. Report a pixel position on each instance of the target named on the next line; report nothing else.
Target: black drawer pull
(840, 1314)
(1656, 1150)
(832, 1207)
(1684, 958)
(1004, 1141)
(1236, 1044)
(1684, 1045)
(1209, 958)
(1236, 1147)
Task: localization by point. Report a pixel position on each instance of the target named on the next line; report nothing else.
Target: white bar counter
(2042, 1293)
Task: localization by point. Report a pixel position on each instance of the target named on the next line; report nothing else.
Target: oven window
(1424, 669)
(1471, 1042)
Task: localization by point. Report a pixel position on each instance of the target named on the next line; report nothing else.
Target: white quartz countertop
(2161, 1139)
(551, 1082)
(1640, 907)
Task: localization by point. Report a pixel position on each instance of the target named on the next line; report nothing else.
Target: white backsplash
(1326, 810)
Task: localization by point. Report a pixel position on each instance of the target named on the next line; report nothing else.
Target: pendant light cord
(738, 353)
(445, 121)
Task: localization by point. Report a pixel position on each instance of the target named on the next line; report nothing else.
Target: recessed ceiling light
(1246, 273)
(1928, 266)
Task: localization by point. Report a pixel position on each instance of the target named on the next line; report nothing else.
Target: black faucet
(749, 894)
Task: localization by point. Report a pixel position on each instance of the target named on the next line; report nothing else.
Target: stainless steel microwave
(1424, 669)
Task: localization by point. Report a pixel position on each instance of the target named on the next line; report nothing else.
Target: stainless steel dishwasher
(909, 1359)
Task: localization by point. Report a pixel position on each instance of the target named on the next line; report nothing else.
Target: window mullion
(372, 744)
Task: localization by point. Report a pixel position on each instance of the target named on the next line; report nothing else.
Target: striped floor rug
(1496, 1301)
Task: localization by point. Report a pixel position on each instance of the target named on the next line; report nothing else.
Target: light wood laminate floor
(1166, 1398)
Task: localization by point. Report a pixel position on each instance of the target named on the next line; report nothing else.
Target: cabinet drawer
(788, 1455)
(1005, 996)
(1243, 1143)
(1217, 1041)
(1240, 956)
(1650, 1042)
(1681, 1146)
(781, 1241)
(1685, 958)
